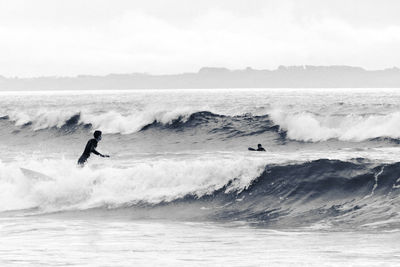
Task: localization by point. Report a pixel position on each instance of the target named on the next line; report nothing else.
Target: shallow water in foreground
(41, 241)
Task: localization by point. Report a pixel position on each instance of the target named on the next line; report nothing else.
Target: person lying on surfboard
(259, 148)
(91, 148)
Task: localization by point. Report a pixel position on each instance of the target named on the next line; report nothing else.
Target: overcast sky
(70, 37)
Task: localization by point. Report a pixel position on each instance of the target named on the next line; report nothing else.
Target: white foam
(113, 122)
(110, 122)
(305, 126)
(150, 181)
(41, 118)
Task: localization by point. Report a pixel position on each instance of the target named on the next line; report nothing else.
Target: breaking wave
(177, 120)
(311, 127)
(111, 122)
(300, 126)
(353, 193)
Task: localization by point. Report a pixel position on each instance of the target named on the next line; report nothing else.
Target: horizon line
(248, 68)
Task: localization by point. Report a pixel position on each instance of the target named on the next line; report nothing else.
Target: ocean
(181, 187)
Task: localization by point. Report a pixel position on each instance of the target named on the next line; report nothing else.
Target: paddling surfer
(259, 148)
(91, 148)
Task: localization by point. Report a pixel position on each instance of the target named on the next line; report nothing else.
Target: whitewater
(181, 187)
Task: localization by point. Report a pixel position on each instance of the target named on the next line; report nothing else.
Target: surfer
(259, 148)
(91, 148)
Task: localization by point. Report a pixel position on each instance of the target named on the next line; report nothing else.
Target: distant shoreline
(218, 78)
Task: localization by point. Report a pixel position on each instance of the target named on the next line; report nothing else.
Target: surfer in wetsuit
(259, 148)
(91, 148)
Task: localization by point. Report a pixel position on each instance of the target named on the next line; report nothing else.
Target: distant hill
(283, 77)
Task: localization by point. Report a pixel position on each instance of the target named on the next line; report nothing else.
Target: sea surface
(181, 187)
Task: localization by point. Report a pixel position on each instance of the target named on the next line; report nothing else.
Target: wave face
(331, 192)
(321, 192)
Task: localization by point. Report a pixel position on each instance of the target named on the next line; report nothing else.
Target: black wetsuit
(90, 148)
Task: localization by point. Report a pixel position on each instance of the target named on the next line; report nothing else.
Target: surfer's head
(259, 145)
(97, 135)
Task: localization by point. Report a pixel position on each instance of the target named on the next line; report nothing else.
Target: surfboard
(36, 175)
(253, 149)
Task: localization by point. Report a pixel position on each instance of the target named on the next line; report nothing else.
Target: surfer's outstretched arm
(94, 151)
(99, 154)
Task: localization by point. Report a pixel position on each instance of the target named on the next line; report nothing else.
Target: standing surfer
(91, 148)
